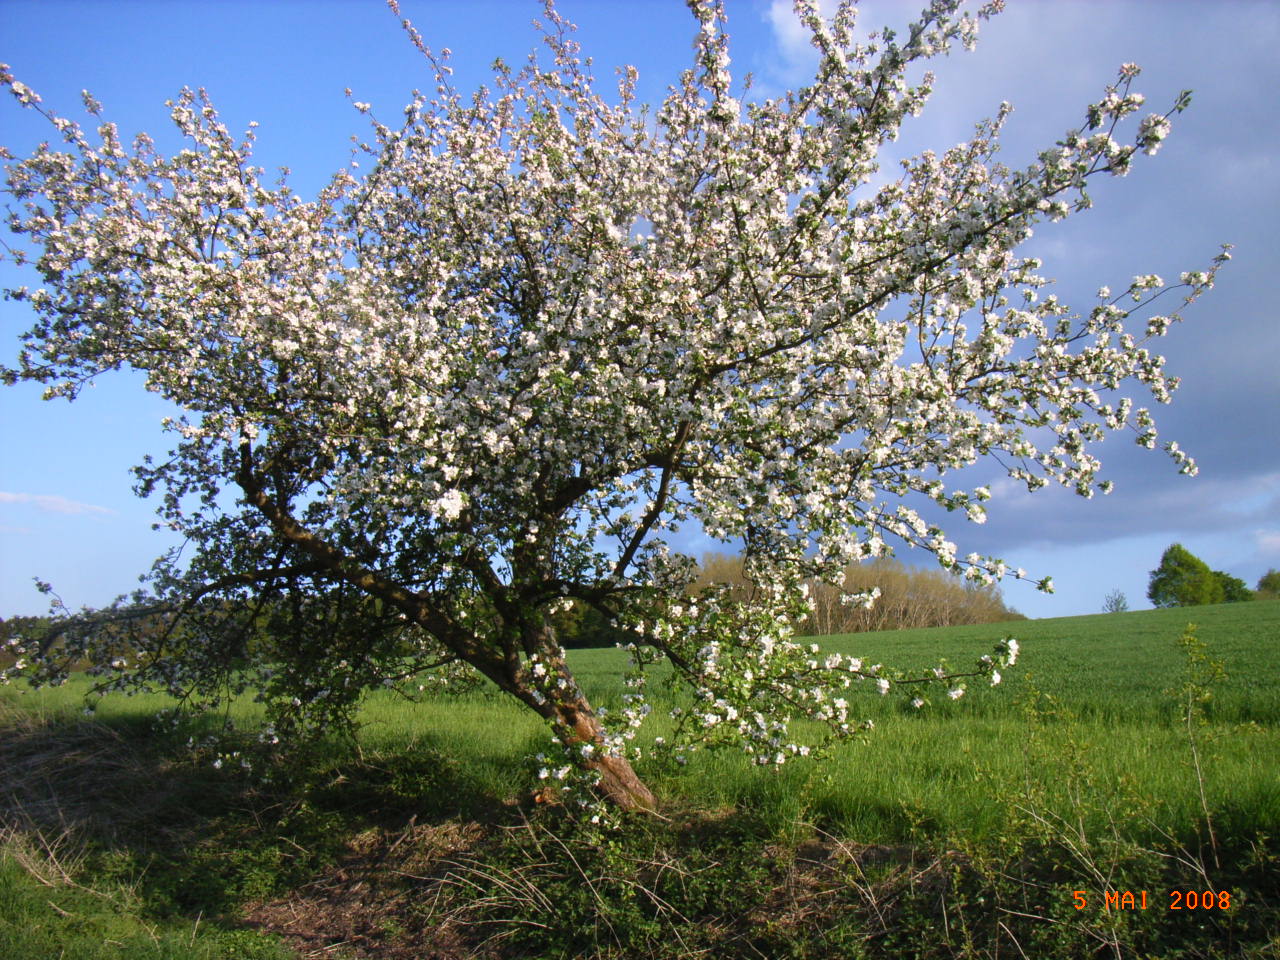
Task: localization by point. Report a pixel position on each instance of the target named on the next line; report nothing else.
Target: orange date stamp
(1140, 900)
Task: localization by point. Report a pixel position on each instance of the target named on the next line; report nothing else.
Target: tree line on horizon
(909, 597)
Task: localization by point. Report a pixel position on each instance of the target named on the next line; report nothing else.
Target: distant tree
(1269, 585)
(1183, 580)
(1116, 602)
(582, 625)
(1233, 588)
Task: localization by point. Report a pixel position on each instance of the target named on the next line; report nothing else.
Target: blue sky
(67, 513)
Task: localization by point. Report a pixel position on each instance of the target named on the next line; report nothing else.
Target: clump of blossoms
(484, 372)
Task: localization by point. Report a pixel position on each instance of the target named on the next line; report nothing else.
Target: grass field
(1080, 772)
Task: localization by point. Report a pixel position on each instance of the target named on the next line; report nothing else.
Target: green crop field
(1109, 758)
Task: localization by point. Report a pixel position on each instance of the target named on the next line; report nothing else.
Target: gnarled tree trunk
(576, 724)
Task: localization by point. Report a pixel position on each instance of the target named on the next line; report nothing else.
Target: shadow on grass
(189, 838)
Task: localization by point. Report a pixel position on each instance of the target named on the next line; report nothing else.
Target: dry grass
(51, 859)
(371, 903)
(78, 778)
(63, 786)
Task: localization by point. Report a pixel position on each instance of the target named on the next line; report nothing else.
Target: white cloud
(791, 36)
(795, 43)
(51, 503)
(1268, 542)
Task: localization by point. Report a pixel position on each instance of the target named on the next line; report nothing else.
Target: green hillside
(1111, 666)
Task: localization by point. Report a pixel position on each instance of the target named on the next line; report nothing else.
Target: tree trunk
(619, 782)
(577, 725)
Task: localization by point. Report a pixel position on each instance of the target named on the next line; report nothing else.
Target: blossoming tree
(485, 378)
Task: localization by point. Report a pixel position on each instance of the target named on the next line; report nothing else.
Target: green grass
(1076, 772)
(1108, 674)
(71, 923)
(1113, 667)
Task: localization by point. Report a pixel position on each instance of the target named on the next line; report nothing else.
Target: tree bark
(576, 724)
(620, 783)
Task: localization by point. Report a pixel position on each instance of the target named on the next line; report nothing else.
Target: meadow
(1113, 758)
